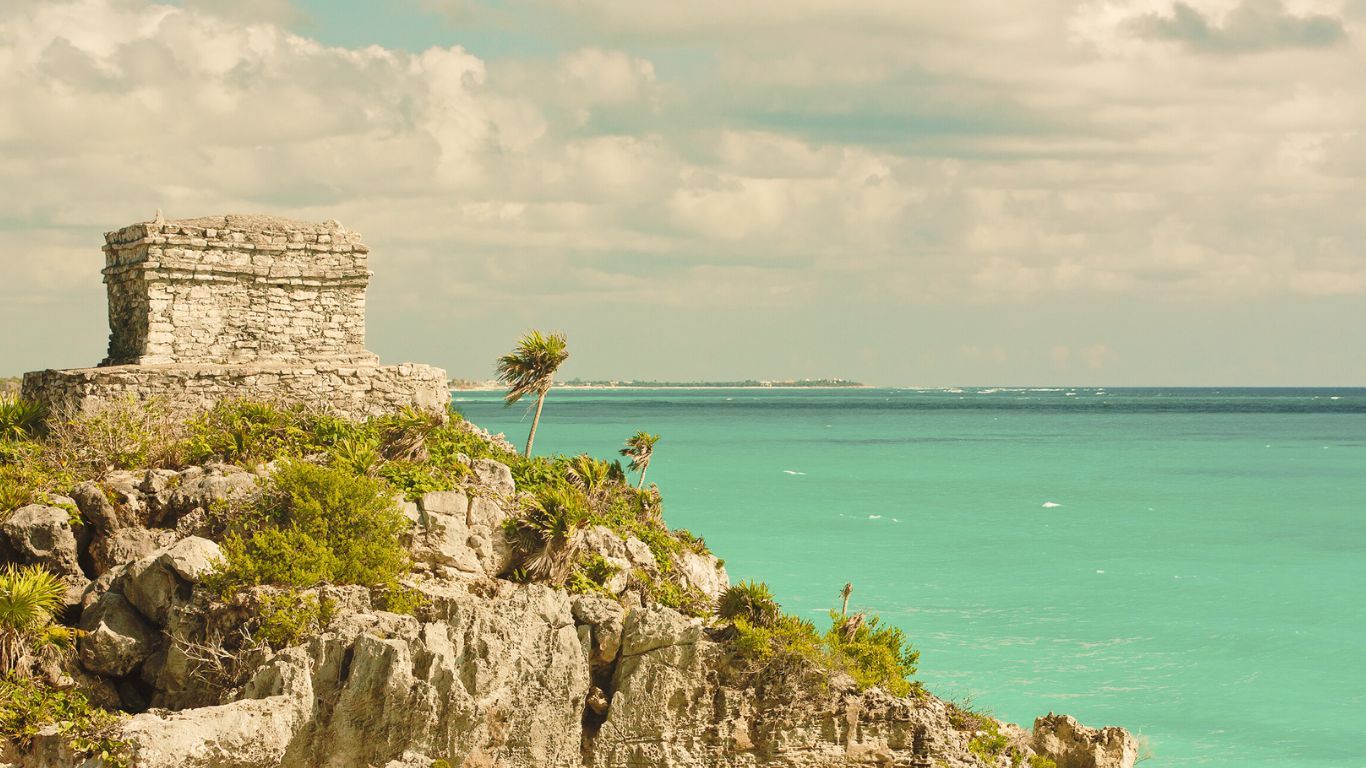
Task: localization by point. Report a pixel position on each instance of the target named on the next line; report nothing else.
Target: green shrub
(358, 455)
(1039, 761)
(28, 706)
(285, 618)
(873, 654)
(590, 576)
(312, 525)
(415, 479)
(670, 593)
(20, 419)
(397, 598)
(242, 431)
(990, 743)
(15, 490)
(786, 637)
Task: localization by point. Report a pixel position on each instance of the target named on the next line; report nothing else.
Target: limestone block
(116, 639)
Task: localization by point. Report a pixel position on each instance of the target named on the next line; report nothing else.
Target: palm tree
(640, 448)
(29, 597)
(530, 369)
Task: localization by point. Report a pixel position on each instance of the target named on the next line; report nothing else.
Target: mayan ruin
(257, 307)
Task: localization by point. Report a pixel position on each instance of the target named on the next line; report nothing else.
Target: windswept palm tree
(29, 597)
(530, 370)
(640, 448)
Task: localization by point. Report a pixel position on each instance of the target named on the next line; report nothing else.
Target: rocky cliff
(485, 672)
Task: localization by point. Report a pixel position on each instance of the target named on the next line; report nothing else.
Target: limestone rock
(99, 510)
(441, 536)
(495, 476)
(192, 558)
(42, 535)
(1073, 745)
(207, 487)
(606, 622)
(255, 731)
(117, 639)
(125, 545)
(155, 582)
(705, 573)
(486, 537)
(461, 532)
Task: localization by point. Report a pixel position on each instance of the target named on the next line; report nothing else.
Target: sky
(1106, 192)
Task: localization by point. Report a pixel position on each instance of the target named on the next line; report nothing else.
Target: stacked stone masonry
(235, 289)
(255, 307)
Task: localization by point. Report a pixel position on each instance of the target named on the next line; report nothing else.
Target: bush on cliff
(315, 524)
(28, 706)
(872, 654)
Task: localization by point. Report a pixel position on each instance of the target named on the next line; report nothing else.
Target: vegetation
(872, 654)
(313, 525)
(287, 617)
(750, 601)
(989, 743)
(640, 448)
(548, 532)
(530, 370)
(29, 598)
(27, 707)
(20, 419)
(118, 434)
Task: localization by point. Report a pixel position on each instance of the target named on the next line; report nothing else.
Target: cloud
(1252, 26)
(812, 158)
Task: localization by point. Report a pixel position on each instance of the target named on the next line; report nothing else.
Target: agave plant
(530, 370)
(357, 455)
(640, 448)
(751, 601)
(549, 533)
(20, 419)
(29, 598)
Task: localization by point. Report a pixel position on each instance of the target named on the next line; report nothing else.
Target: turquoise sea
(1200, 581)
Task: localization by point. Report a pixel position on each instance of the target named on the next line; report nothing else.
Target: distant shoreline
(459, 385)
(499, 387)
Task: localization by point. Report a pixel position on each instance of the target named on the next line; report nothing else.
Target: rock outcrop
(488, 673)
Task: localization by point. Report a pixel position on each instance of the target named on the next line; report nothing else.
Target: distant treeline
(716, 384)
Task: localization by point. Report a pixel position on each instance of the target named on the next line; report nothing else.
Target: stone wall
(354, 391)
(235, 289)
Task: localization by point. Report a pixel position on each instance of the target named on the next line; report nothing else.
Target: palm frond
(29, 596)
(530, 367)
(640, 448)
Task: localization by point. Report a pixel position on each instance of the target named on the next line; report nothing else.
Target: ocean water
(1187, 563)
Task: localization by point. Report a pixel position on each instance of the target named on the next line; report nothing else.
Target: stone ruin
(253, 307)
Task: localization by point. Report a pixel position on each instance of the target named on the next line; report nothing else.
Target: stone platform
(356, 391)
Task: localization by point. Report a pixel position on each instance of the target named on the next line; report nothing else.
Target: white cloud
(811, 152)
